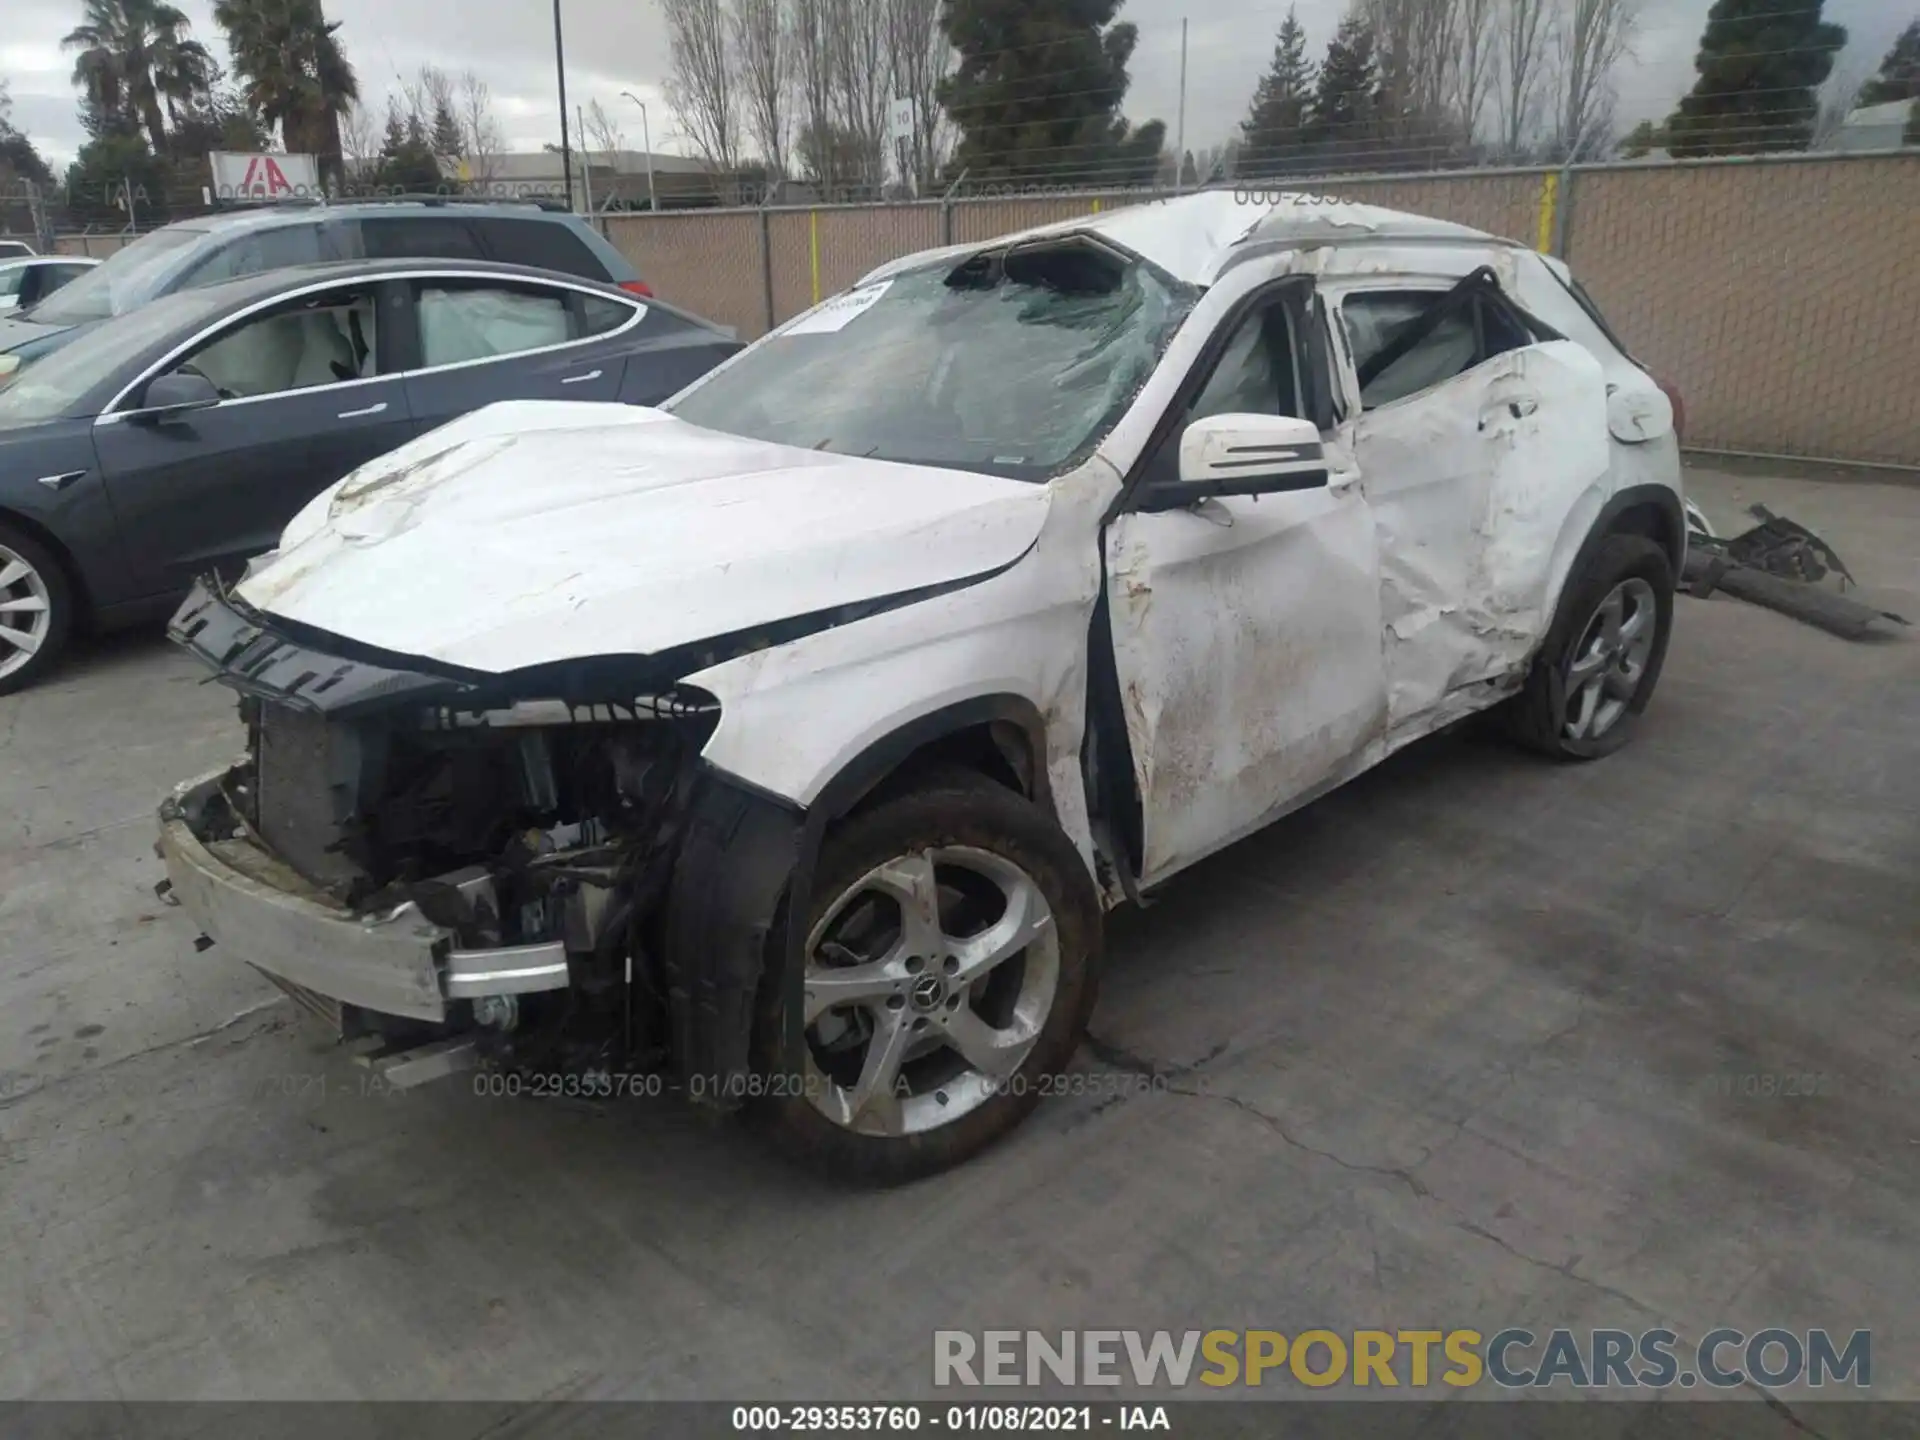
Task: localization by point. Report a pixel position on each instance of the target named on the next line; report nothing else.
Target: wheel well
(45, 538)
(1655, 524)
(998, 749)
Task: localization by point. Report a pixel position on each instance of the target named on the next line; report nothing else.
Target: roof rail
(434, 197)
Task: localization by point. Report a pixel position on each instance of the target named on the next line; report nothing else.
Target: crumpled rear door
(1471, 484)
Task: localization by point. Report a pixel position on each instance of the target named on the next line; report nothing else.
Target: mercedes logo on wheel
(928, 993)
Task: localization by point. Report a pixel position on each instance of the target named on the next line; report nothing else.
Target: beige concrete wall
(1783, 300)
(1782, 297)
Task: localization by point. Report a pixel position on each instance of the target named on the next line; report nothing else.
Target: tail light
(1679, 408)
(637, 287)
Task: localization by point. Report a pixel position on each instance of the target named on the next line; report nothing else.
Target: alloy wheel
(26, 611)
(1611, 659)
(928, 982)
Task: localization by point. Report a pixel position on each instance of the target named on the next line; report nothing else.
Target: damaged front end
(435, 858)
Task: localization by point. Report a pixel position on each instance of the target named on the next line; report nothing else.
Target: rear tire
(1601, 659)
(36, 610)
(935, 1048)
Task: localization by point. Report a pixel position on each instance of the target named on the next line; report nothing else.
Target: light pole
(560, 68)
(646, 140)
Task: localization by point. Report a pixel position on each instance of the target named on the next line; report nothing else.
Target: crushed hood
(534, 532)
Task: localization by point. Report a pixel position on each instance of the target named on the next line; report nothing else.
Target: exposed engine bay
(537, 842)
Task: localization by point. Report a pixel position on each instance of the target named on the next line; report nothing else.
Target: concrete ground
(1477, 1041)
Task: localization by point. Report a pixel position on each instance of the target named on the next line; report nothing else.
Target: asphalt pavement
(1477, 1041)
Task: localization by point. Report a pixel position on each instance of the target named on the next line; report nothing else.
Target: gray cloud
(616, 44)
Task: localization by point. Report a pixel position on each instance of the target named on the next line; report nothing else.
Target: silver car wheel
(1611, 659)
(26, 612)
(928, 982)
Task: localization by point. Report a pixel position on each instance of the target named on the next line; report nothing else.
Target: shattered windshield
(1013, 362)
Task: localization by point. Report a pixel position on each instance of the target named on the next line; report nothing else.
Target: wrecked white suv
(784, 745)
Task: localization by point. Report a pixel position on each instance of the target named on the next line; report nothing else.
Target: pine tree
(395, 136)
(447, 142)
(1037, 93)
(1760, 62)
(407, 161)
(1344, 110)
(1899, 77)
(1275, 128)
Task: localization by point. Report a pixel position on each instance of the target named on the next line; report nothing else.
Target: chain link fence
(1780, 294)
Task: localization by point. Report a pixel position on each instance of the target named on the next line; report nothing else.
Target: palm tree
(294, 73)
(132, 54)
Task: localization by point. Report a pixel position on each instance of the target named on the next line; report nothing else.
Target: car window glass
(129, 278)
(481, 322)
(1012, 362)
(543, 244)
(319, 340)
(1255, 374)
(1374, 319)
(1501, 330)
(431, 236)
(260, 250)
(12, 277)
(599, 315)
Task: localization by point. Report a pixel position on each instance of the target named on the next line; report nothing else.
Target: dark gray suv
(226, 246)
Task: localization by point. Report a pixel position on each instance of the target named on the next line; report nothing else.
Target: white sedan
(27, 280)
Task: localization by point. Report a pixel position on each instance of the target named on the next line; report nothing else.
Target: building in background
(618, 179)
(1873, 127)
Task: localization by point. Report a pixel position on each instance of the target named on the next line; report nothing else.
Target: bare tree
(856, 41)
(762, 41)
(360, 141)
(919, 56)
(603, 131)
(1590, 40)
(479, 128)
(1475, 61)
(813, 78)
(700, 81)
(1840, 98)
(430, 92)
(1522, 31)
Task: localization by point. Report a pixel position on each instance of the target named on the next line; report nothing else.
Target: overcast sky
(616, 45)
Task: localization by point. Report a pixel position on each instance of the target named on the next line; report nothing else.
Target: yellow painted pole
(813, 250)
(1549, 199)
(1096, 205)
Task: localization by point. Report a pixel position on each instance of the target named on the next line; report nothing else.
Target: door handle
(581, 379)
(1519, 407)
(362, 414)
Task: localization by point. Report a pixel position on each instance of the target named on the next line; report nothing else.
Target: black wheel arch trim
(1637, 497)
(746, 854)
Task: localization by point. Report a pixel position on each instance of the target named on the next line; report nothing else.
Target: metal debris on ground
(1781, 565)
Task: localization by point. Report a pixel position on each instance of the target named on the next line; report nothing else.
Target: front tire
(1601, 659)
(36, 610)
(952, 949)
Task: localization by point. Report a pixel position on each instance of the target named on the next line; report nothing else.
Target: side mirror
(170, 397)
(1248, 455)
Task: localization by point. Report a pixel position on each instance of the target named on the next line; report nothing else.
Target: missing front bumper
(394, 963)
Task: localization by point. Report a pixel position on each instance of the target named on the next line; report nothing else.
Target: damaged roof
(1192, 237)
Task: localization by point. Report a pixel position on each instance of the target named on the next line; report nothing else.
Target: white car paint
(1267, 647)
(1469, 485)
(593, 530)
(13, 265)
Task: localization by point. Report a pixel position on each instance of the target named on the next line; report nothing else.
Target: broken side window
(1374, 319)
(1405, 341)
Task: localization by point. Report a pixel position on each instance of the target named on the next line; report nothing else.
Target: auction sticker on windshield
(840, 311)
